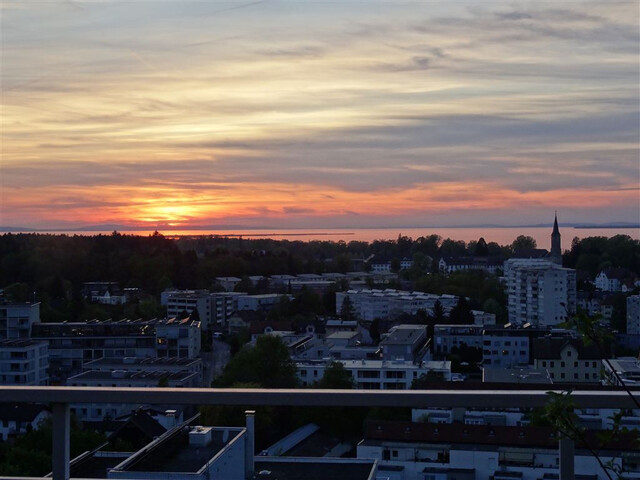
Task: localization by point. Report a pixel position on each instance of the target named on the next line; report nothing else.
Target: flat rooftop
(175, 454)
(284, 469)
(20, 343)
(404, 334)
(342, 335)
(142, 362)
(317, 444)
(128, 375)
(97, 465)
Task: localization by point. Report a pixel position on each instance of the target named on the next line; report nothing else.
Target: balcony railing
(61, 397)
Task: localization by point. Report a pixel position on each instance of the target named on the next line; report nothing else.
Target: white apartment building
(633, 314)
(180, 301)
(376, 374)
(263, 302)
(135, 364)
(434, 451)
(446, 337)
(73, 343)
(541, 293)
(178, 338)
(593, 418)
(24, 362)
(370, 304)
(505, 347)
(626, 368)
(612, 279)
(214, 309)
(16, 319)
(405, 342)
(567, 360)
(223, 306)
(98, 412)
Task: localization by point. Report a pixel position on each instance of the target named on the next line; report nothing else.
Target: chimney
(249, 443)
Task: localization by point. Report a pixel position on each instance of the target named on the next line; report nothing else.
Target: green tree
(439, 316)
(267, 364)
(336, 377)
(347, 310)
(482, 250)
(523, 242)
(374, 330)
(453, 248)
(461, 314)
(30, 454)
(342, 263)
(395, 264)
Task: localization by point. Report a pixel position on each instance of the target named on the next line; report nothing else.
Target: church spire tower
(556, 249)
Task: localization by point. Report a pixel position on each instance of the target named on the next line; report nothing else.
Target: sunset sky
(286, 114)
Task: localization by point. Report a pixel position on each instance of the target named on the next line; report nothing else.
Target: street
(213, 362)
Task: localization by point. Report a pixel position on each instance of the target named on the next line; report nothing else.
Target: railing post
(567, 458)
(61, 446)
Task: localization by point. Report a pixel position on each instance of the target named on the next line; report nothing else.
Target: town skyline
(318, 115)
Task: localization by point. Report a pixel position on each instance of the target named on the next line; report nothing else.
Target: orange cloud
(260, 202)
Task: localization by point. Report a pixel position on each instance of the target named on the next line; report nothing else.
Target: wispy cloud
(267, 110)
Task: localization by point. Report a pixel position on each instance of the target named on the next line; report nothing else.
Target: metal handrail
(61, 397)
(312, 397)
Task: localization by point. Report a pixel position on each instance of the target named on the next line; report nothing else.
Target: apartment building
(435, 451)
(633, 314)
(181, 302)
(376, 374)
(540, 292)
(24, 362)
(567, 359)
(223, 306)
(73, 343)
(448, 337)
(259, 303)
(370, 304)
(405, 342)
(140, 378)
(17, 319)
(505, 347)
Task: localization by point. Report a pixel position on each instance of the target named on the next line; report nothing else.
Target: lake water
(501, 235)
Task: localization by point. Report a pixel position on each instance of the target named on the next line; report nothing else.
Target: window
(544, 363)
(561, 364)
(575, 364)
(551, 364)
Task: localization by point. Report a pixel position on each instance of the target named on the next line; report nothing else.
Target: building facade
(24, 362)
(540, 292)
(633, 314)
(17, 320)
(376, 374)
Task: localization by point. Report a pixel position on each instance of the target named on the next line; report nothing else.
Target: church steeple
(556, 248)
